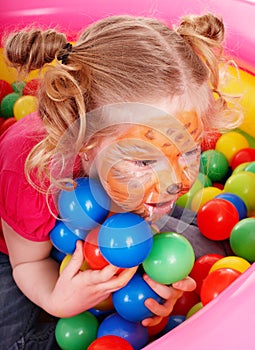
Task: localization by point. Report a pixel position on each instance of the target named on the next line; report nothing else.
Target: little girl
(129, 104)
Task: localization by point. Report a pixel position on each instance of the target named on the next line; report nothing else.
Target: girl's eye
(144, 163)
(192, 153)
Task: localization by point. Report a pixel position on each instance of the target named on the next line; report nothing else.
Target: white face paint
(150, 161)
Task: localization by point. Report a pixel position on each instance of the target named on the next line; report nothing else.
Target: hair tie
(67, 49)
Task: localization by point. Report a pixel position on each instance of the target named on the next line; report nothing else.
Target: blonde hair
(121, 59)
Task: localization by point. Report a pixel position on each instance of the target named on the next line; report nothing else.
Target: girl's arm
(72, 292)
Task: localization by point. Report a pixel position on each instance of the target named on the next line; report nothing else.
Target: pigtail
(62, 96)
(27, 50)
(205, 34)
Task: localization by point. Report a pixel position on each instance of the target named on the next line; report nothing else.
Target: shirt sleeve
(24, 208)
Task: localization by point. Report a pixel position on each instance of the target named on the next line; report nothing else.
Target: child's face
(145, 168)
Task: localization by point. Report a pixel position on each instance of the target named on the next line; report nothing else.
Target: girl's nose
(174, 188)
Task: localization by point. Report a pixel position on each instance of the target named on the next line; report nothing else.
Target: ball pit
(229, 332)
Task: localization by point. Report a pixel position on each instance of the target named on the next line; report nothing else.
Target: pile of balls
(124, 240)
(16, 101)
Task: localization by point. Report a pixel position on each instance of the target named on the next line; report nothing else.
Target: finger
(120, 280)
(75, 263)
(161, 310)
(153, 321)
(162, 290)
(103, 275)
(186, 285)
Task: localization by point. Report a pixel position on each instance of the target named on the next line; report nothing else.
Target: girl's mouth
(159, 209)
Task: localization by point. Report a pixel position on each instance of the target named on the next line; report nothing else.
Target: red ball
(210, 140)
(107, 342)
(6, 124)
(216, 282)
(185, 303)
(92, 253)
(5, 89)
(216, 219)
(202, 267)
(154, 330)
(243, 156)
(31, 88)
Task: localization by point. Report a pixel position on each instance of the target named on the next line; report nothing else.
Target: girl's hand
(77, 291)
(169, 293)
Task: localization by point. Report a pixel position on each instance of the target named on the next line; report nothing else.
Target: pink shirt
(21, 206)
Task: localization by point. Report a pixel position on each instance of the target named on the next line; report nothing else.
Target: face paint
(145, 168)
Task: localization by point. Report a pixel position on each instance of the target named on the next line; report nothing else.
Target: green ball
(243, 185)
(205, 180)
(214, 164)
(171, 258)
(18, 86)
(250, 167)
(242, 239)
(77, 332)
(7, 104)
(185, 200)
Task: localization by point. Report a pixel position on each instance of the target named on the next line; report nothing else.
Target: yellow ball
(66, 260)
(25, 105)
(232, 262)
(230, 143)
(203, 196)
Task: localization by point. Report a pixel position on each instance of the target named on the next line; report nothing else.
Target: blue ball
(134, 332)
(63, 239)
(173, 321)
(236, 201)
(129, 300)
(84, 207)
(125, 240)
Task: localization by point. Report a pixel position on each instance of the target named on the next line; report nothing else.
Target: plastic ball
(243, 156)
(216, 282)
(5, 89)
(173, 322)
(24, 106)
(202, 267)
(185, 200)
(18, 86)
(66, 261)
(243, 185)
(7, 104)
(91, 251)
(77, 332)
(242, 239)
(31, 87)
(204, 179)
(129, 300)
(237, 201)
(214, 164)
(203, 196)
(171, 258)
(240, 168)
(185, 302)
(134, 332)
(125, 239)
(6, 124)
(158, 328)
(84, 207)
(63, 239)
(107, 342)
(195, 308)
(233, 262)
(230, 143)
(57, 255)
(250, 167)
(216, 219)
(210, 140)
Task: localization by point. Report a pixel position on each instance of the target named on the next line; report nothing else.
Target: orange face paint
(144, 162)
